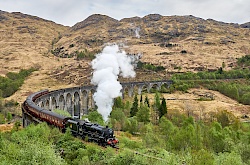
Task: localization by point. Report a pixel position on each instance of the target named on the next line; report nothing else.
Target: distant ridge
(94, 18)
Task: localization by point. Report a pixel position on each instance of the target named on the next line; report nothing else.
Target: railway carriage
(53, 119)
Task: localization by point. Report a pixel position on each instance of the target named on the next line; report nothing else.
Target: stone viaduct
(78, 100)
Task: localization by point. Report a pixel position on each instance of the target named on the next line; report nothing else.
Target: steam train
(86, 130)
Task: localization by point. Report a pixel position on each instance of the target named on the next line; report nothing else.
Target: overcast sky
(69, 12)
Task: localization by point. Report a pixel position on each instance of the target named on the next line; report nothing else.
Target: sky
(69, 12)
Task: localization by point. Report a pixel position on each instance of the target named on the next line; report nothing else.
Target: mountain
(178, 43)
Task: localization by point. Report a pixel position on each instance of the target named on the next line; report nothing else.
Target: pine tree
(134, 108)
(146, 101)
(163, 108)
(141, 99)
(157, 101)
(118, 103)
(156, 107)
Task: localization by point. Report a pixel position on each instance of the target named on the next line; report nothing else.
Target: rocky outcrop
(152, 17)
(2, 16)
(245, 25)
(95, 19)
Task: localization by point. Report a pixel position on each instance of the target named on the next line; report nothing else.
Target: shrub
(95, 117)
(202, 157)
(62, 112)
(228, 158)
(2, 119)
(245, 99)
(71, 45)
(244, 61)
(143, 65)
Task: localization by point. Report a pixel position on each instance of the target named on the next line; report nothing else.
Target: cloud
(223, 10)
(70, 12)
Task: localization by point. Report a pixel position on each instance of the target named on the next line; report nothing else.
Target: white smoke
(107, 66)
(137, 30)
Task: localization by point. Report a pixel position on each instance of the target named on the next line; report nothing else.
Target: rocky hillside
(25, 41)
(179, 43)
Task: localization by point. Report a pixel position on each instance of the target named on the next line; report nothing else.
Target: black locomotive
(92, 132)
(86, 130)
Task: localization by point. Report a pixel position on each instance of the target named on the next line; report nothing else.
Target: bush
(131, 125)
(132, 144)
(202, 157)
(29, 146)
(244, 61)
(245, 99)
(71, 45)
(142, 65)
(117, 118)
(2, 119)
(86, 54)
(9, 116)
(62, 112)
(228, 158)
(95, 117)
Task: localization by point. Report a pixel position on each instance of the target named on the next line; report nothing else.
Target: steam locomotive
(92, 132)
(86, 130)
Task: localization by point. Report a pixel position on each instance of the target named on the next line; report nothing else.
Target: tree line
(13, 81)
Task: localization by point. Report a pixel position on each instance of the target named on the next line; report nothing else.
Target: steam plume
(107, 66)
